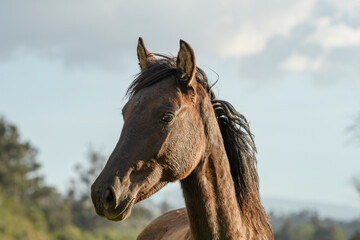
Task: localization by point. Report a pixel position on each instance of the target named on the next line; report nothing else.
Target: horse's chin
(121, 214)
(120, 217)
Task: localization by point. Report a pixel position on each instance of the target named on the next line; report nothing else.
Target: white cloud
(331, 35)
(348, 8)
(249, 41)
(104, 32)
(253, 34)
(300, 63)
(277, 37)
(325, 46)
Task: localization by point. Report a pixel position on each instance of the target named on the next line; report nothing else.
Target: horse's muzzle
(109, 204)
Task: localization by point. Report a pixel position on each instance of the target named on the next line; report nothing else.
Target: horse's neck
(210, 199)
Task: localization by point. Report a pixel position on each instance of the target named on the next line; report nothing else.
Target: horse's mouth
(123, 210)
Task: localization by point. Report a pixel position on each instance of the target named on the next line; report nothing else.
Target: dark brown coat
(176, 130)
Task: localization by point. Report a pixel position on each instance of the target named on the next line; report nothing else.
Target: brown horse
(175, 129)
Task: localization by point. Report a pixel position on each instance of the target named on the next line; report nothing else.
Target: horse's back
(172, 225)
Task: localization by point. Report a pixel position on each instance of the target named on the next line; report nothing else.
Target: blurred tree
(307, 225)
(287, 231)
(356, 236)
(78, 196)
(18, 167)
(21, 182)
(86, 174)
(30, 209)
(55, 209)
(16, 225)
(324, 231)
(304, 231)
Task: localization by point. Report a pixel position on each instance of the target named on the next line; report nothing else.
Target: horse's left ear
(185, 62)
(144, 56)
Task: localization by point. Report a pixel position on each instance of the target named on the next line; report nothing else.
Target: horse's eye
(167, 117)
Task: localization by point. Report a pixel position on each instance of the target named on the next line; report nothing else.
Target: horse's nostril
(108, 195)
(109, 199)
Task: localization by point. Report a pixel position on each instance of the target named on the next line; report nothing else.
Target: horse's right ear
(185, 63)
(144, 56)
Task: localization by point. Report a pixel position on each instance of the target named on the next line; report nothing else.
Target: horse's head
(162, 139)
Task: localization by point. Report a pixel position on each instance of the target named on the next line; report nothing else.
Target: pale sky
(291, 67)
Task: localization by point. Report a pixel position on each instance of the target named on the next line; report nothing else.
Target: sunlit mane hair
(238, 141)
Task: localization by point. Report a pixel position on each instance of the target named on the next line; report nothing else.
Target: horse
(175, 129)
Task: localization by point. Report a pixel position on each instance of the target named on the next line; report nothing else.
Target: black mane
(238, 141)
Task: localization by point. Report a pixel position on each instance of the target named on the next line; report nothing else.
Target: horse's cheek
(191, 149)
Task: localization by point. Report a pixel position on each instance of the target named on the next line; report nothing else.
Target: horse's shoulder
(171, 225)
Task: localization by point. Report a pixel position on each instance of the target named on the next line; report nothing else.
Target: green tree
(356, 236)
(18, 167)
(30, 209)
(20, 180)
(304, 231)
(55, 209)
(78, 197)
(324, 231)
(287, 231)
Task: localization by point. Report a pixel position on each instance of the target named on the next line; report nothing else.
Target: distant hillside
(172, 195)
(325, 210)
